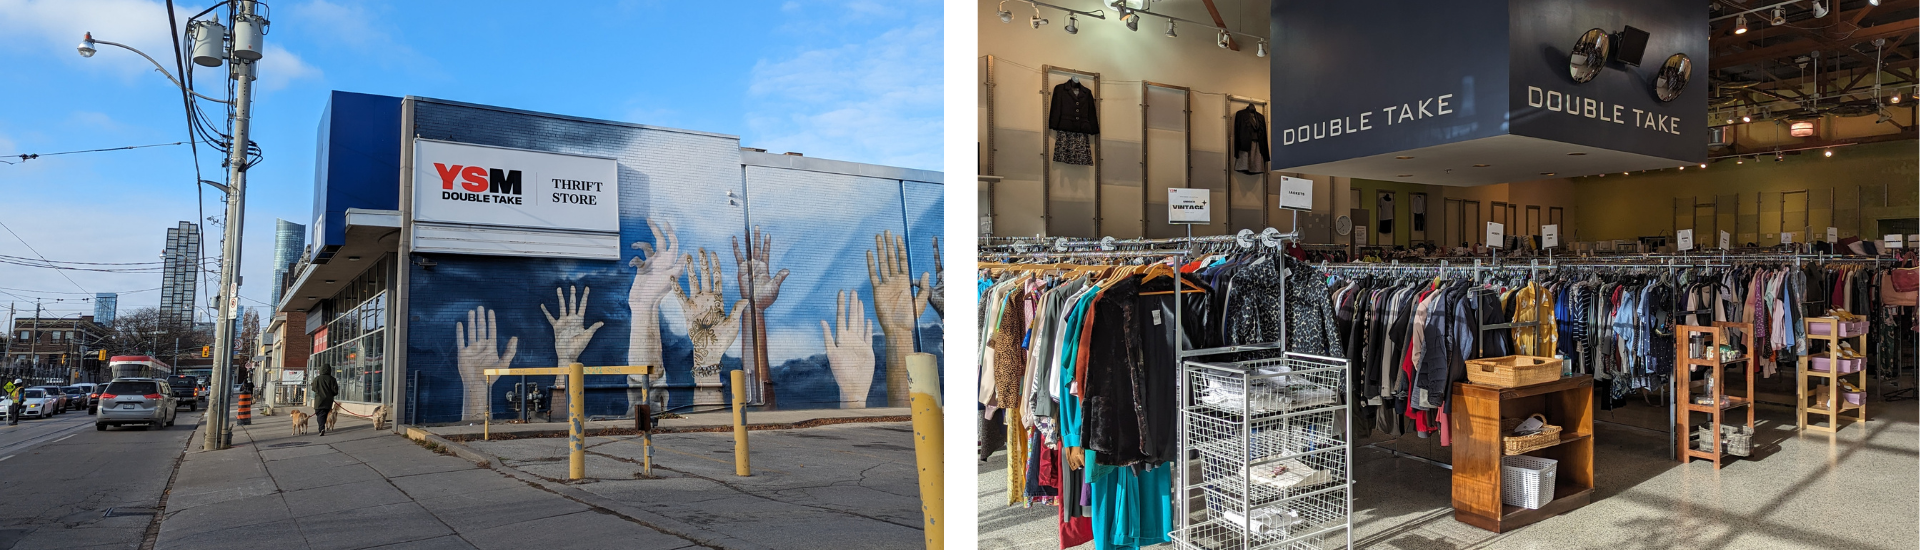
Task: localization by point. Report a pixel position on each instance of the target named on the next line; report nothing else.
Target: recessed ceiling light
(1703, 166)
(1546, 173)
(313, 297)
(1481, 165)
(1406, 175)
(330, 281)
(1402, 158)
(353, 258)
(1576, 154)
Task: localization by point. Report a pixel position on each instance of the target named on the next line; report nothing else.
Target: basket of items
(1736, 440)
(1513, 371)
(1532, 433)
(1527, 481)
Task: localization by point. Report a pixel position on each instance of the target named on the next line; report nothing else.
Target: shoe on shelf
(1846, 351)
(1848, 387)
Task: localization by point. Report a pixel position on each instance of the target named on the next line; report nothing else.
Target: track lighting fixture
(1819, 9)
(1828, 153)
(1220, 39)
(1073, 25)
(1739, 23)
(1037, 21)
(1745, 118)
(1895, 98)
(1779, 16)
(1703, 166)
(1170, 33)
(1262, 51)
(1779, 156)
(1005, 16)
(1874, 2)
(1741, 160)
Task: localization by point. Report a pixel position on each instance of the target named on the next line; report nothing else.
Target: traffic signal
(103, 355)
(206, 351)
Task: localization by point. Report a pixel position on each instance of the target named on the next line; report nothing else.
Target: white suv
(143, 401)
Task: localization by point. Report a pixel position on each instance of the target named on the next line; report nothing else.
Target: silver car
(35, 402)
(142, 401)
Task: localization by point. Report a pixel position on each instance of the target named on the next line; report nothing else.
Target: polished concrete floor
(1856, 489)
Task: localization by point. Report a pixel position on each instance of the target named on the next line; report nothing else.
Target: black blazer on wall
(1072, 109)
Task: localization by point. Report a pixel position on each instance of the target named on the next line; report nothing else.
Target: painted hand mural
(753, 269)
(570, 330)
(850, 349)
(657, 271)
(896, 306)
(709, 326)
(938, 298)
(477, 349)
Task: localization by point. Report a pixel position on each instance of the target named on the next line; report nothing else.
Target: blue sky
(847, 80)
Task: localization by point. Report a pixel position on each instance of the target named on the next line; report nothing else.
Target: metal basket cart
(1268, 460)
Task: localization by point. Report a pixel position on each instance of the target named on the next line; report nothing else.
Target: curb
(609, 432)
(650, 520)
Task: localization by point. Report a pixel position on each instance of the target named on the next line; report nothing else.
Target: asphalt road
(59, 478)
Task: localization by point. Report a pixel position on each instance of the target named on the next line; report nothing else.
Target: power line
(43, 257)
(31, 156)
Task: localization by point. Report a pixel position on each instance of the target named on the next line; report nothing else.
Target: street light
(87, 49)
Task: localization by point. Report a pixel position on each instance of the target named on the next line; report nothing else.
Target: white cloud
(877, 101)
(54, 27)
(279, 67)
(356, 30)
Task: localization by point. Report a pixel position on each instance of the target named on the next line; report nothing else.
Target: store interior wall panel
(1071, 195)
(1120, 188)
(1166, 136)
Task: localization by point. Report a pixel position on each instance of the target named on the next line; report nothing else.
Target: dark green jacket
(324, 388)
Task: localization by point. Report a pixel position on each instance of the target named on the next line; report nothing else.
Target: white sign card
(1550, 236)
(1726, 240)
(1786, 238)
(1894, 241)
(1296, 193)
(1685, 238)
(1833, 234)
(1360, 235)
(1188, 206)
(1496, 234)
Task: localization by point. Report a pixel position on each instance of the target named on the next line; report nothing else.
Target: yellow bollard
(740, 461)
(923, 383)
(577, 419)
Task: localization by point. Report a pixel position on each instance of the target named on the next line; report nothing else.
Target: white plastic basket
(1527, 481)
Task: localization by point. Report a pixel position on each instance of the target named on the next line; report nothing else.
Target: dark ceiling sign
(1485, 91)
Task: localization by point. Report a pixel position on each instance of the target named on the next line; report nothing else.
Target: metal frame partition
(1046, 138)
(1266, 178)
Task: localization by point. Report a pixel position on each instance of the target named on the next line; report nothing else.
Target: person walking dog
(324, 389)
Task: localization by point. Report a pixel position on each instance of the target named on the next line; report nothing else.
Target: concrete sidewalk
(690, 422)
(362, 488)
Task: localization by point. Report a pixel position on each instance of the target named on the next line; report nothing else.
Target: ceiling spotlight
(1546, 173)
(1819, 9)
(1741, 160)
(1874, 2)
(1779, 156)
(1221, 39)
(1703, 166)
(1779, 16)
(1130, 18)
(1683, 168)
(1745, 118)
(1073, 25)
(1037, 21)
(1895, 98)
(1739, 23)
(1828, 153)
(1262, 51)
(1005, 16)
(1170, 33)
(86, 46)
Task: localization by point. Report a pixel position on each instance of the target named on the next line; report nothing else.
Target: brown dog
(333, 416)
(299, 419)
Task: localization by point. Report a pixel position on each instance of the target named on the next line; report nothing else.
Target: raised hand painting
(476, 350)
(897, 307)
(709, 326)
(850, 349)
(761, 287)
(656, 273)
(570, 333)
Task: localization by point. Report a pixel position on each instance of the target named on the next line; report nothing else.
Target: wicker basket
(1739, 439)
(1513, 371)
(1512, 445)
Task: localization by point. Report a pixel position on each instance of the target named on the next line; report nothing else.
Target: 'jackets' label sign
(495, 186)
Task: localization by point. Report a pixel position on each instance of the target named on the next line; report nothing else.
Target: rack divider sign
(1786, 238)
(1833, 234)
(1726, 240)
(1893, 240)
(1296, 193)
(1496, 234)
(1549, 236)
(1685, 238)
(1188, 206)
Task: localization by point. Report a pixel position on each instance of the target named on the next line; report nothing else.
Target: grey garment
(1073, 148)
(1256, 308)
(1248, 162)
(1310, 327)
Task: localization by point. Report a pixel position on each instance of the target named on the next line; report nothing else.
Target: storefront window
(355, 341)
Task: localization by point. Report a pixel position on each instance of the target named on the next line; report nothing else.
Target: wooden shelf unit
(1717, 335)
(1809, 397)
(1477, 449)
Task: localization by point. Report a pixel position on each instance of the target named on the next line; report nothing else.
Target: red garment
(1074, 531)
(1190, 267)
(1050, 469)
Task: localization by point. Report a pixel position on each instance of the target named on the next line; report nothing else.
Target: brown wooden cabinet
(1477, 449)
(1719, 405)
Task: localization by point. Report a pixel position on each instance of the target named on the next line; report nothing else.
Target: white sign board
(1188, 206)
(1685, 238)
(1496, 234)
(1726, 240)
(1296, 193)
(1833, 235)
(1549, 236)
(1893, 241)
(293, 376)
(523, 203)
(1786, 238)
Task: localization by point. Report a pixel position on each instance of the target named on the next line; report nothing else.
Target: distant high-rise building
(104, 306)
(182, 257)
(289, 240)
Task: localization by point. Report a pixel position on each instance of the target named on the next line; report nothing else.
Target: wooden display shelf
(1727, 403)
(1811, 396)
(1718, 334)
(1477, 449)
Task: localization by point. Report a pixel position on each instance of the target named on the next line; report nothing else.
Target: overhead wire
(30, 156)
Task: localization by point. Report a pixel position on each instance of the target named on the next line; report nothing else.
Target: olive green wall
(1757, 200)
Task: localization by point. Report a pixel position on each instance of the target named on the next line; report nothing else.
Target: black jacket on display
(1250, 137)
(1072, 109)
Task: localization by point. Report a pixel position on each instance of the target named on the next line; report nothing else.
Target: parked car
(92, 392)
(76, 397)
(59, 397)
(186, 388)
(143, 401)
(35, 403)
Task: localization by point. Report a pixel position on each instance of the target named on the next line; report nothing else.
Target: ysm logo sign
(496, 186)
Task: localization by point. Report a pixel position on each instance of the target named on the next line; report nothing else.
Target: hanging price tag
(1188, 206)
(1726, 240)
(1550, 236)
(1496, 234)
(1685, 238)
